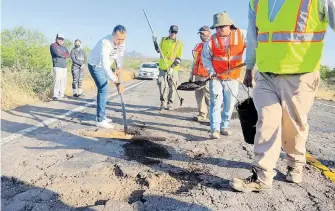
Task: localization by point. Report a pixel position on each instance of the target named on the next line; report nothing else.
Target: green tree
(24, 49)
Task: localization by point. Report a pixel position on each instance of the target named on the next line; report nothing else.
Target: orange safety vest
(199, 68)
(223, 58)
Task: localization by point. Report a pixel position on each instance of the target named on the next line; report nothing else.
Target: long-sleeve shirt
(207, 53)
(78, 57)
(105, 53)
(326, 13)
(59, 54)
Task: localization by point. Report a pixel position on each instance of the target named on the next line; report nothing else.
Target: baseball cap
(173, 28)
(60, 36)
(204, 28)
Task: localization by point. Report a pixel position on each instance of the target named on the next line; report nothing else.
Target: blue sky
(90, 20)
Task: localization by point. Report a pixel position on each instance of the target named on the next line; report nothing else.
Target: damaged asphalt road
(54, 168)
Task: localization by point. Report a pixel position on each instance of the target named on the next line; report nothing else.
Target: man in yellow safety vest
(289, 36)
(172, 49)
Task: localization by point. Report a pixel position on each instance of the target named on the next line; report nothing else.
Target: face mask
(77, 46)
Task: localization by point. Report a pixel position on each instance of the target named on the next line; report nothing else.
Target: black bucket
(247, 114)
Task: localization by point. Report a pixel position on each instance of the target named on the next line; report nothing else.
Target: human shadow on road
(154, 202)
(40, 114)
(19, 195)
(107, 147)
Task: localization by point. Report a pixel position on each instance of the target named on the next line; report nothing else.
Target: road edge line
(56, 118)
(326, 172)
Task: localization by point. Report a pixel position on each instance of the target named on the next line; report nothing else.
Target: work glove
(154, 38)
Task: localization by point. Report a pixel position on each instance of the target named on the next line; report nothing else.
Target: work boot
(75, 95)
(105, 124)
(294, 175)
(225, 132)
(200, 118)
(215, 135)
(250, 184)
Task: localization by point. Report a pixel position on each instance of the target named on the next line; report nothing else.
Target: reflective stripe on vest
(263, 37)
(255, 5)
(292, 37)
(302, 17)
(216, 42)
(299, 35)
(231, 58)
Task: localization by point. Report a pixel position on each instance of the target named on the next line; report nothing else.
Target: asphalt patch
(145, 152)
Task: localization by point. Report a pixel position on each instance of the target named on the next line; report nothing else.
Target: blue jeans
(101, 81)
(221, 92)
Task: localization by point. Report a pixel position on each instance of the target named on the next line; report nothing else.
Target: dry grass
(326, 92)
(15, 91)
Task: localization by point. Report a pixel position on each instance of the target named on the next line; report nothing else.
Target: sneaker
(215, 135)
(162, 107)
(75, 95)
(105, 118)
(108, 120)
(250, 184)
(225, 132)
(169, 107)
(294, 175)
(105, 124)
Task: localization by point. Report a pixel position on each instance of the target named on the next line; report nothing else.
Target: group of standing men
(285, 39)
(213, 57)
(59, 54)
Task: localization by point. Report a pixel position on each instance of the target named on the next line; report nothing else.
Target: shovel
(118, 134)
(192, 86)
(125, 125)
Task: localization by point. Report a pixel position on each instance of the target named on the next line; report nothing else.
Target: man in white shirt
(108, 50)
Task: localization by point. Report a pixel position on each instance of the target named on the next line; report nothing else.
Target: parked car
(148, 70)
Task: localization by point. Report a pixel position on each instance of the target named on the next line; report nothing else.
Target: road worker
(200, 73)
(289, 36)
(172, 49)
(223, 51)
